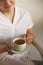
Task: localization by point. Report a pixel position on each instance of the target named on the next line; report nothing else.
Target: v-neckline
(15, 19)
(6, 18)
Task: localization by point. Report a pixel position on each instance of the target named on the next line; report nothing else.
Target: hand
(29, 36)
(8, 49)
(4, 48)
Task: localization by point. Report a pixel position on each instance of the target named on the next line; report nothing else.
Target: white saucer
(22, 52)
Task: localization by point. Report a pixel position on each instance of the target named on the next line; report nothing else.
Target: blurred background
(35, 8)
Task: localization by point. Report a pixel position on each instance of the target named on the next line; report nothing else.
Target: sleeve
(24, 23)
(28, 20)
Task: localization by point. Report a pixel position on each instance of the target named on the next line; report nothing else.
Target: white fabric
(22, 21)
(6, 59)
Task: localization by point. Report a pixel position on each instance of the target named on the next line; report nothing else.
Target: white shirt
(21, 22)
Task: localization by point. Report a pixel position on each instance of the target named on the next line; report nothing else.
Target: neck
(10, 14)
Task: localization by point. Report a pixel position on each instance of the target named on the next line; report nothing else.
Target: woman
(14, 22)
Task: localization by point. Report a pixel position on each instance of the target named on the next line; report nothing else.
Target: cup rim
(18, 39)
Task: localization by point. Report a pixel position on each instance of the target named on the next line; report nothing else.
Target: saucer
(22, 52)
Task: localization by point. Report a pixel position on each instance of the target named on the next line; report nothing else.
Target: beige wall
(35, 7)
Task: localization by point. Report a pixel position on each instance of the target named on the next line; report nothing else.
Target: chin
(8, 10)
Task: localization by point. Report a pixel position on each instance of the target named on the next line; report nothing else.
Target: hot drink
(19, 44)
(19, 41)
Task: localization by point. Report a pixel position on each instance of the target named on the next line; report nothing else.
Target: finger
(9, 51)
(9, 46)
(24, 36)
(29, 41)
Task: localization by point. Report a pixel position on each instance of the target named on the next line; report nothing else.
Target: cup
(19, 44)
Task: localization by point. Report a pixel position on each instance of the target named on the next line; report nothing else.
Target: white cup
(19, 44)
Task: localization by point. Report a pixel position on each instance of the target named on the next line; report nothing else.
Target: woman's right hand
(4, 48)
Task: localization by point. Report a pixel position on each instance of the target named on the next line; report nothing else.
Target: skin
(29, 36)
(7, 5)
(7, 8)
(4, 48)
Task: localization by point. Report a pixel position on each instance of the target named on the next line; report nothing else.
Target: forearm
(2, 48)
